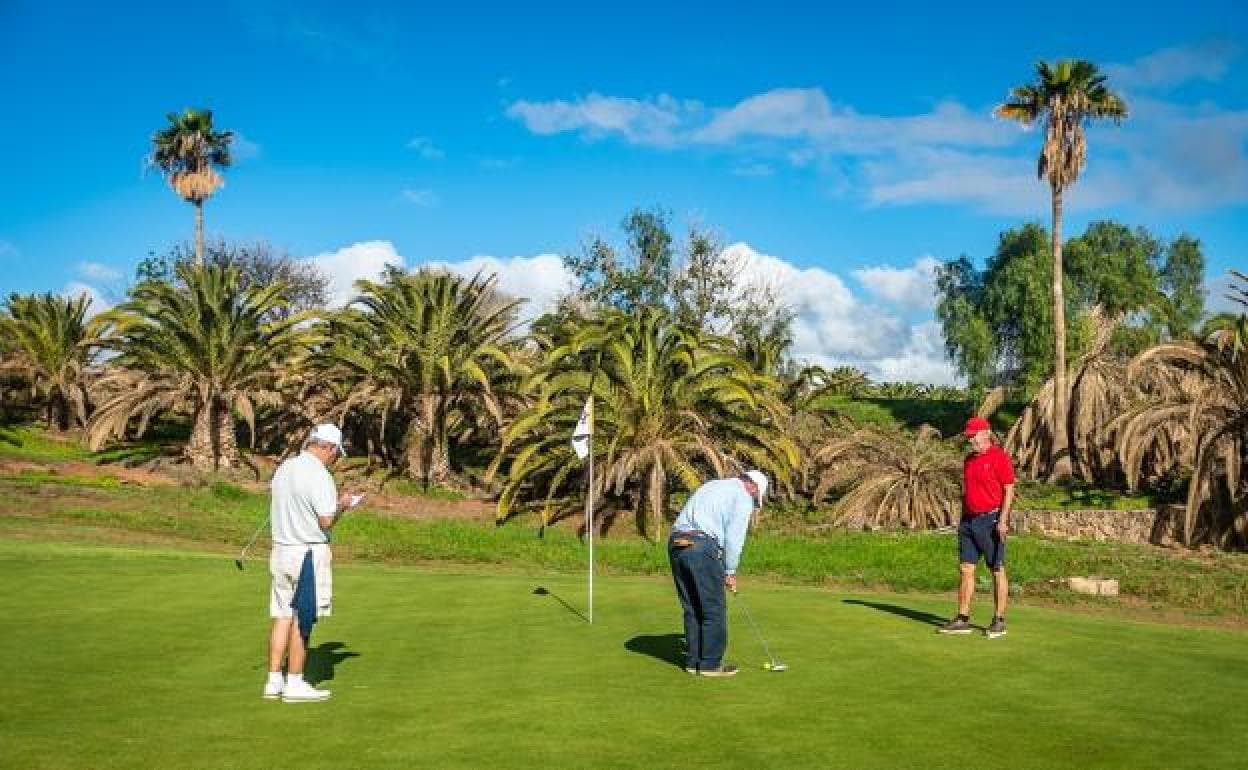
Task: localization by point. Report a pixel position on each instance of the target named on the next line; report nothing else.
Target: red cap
(975, 425)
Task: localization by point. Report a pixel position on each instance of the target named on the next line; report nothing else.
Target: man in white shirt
(304, 508)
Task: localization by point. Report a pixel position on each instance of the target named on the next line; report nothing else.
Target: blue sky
(841, 151)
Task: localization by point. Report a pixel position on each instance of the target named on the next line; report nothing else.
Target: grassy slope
(132, 659)
(222, 516)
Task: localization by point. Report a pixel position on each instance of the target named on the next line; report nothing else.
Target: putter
(243, 554)
(772, 664)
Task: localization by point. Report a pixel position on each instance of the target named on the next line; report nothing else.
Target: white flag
(584, 431)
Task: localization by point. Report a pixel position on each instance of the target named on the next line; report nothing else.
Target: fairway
(121, 658)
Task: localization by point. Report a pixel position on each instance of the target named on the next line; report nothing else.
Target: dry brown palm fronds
(1194, 413)
(196, 186)
(891, 479)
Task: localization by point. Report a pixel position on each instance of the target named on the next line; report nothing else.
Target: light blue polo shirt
(721, 509)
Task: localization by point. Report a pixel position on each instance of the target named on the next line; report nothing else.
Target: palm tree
(1066, 95)
(204, 347)
(430, 348)
(892, 479)
(189, 151)
(1098, 392)
(1195, 397)
(50, 341)
(670, 406)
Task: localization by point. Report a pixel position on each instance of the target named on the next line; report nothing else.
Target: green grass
(221, 516)
(1039, 496)
(126, 658)
(34, 444)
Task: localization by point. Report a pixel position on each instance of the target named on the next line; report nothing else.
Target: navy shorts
(977, 537)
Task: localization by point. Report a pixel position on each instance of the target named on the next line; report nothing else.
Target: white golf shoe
(302, 692)
(273, 689)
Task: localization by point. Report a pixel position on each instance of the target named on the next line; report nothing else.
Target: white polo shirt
(302, 490)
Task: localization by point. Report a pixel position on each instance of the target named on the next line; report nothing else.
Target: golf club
(772, 664)
(243, 554)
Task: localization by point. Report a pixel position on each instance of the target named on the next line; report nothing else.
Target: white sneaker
(273, 690)
(300, 692)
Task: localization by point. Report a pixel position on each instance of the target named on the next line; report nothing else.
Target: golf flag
(584, 430)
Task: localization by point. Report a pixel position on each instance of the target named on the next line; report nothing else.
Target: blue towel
(304, 602)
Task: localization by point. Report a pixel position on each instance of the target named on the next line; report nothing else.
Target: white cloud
(657, 122)
(96, 271)
(909, 287)
(921, 359)
(1167, 156)
(833, 327)
(345, 266)
(1170, 67)
(100, 300)
(424, 198)
(425, 147)
(540, 279)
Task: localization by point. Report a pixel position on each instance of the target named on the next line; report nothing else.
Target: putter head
(239, 563)
(777, 666)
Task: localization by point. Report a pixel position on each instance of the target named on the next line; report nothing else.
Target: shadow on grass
(323, 659)
(669, 648)
(134, 454)
(543, 591)
(905, 612)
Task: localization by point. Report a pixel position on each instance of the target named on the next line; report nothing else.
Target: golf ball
(767, 666)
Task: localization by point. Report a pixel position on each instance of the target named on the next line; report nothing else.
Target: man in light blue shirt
(704, 550)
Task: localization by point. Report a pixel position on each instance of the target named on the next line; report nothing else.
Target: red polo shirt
(984, 477)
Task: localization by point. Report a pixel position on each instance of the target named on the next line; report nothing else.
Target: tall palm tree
(203, 347)
(50, 341)
(189, 151)
(1066, 95)
(670, 407)
(431, 348)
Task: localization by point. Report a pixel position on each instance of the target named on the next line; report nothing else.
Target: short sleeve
(1005, 468)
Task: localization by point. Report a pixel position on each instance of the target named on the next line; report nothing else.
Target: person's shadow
(323, 659)
(916, 615)
(669, 648)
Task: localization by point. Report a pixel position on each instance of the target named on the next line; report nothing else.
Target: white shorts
(285, 562)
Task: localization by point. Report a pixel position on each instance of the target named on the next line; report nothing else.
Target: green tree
(259, 264)
(640, 276)
(203, 347)
(49, 340)
(671, 406)
(420, 351)
(190, 151)
(1065, 95)
(1182, 284)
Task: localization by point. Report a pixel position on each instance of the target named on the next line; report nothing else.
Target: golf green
(125, 658)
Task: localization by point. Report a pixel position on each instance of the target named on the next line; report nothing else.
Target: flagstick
(589, 509)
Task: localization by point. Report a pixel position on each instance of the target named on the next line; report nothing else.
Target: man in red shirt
(987, 494)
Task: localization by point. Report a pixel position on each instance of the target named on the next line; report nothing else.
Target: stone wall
(1158, 527)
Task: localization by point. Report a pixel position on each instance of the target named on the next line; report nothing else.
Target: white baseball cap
(760, 481)
(330, 434)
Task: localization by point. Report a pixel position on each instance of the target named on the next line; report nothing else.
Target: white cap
(330, 434)
(760, 481)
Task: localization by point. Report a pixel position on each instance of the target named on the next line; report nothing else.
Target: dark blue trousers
(698, 571)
